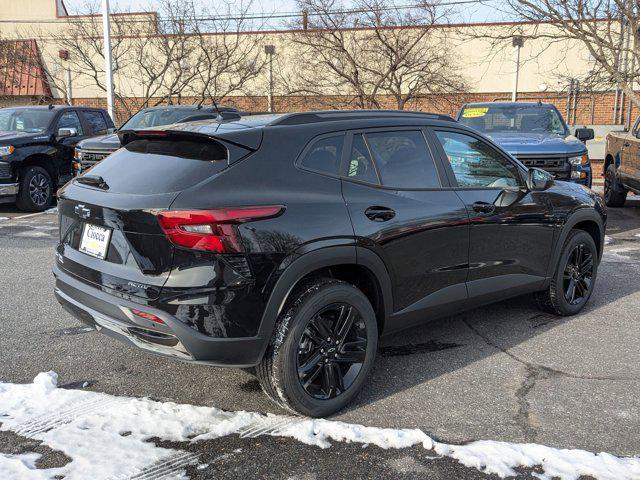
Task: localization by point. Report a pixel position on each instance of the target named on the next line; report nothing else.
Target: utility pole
(270, 50)
(106, 32)
(517, 43)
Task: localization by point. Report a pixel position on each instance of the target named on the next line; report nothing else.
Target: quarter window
(96, 121)
(403, 159)
(324, 156)
(477, 164)
(70, 120)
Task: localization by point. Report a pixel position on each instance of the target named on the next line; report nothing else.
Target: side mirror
(584, 134)
(538, 179)
(67, 132)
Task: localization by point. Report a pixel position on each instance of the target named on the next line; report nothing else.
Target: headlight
(579, 160)
(7, 150)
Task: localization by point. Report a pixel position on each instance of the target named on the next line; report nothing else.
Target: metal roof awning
(22, 72)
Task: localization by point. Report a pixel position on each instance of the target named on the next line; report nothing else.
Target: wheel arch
(356, 265)
(41, 160)
(607, 161)
(587, 220)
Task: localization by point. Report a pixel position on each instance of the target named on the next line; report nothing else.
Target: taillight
(212, 230)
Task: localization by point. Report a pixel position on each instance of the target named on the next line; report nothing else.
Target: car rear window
(146, 167)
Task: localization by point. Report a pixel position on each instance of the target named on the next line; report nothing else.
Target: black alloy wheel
(578, 274)
(332, 351)
(574, 279)
(323, 348)
(39, 190)
(35, 193)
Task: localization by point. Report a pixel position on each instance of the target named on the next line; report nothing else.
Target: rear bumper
(111, 315)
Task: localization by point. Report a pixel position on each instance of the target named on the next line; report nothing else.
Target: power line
(245, 17)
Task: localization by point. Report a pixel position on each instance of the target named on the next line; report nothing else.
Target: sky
(483, 11)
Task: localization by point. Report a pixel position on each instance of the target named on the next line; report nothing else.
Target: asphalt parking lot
(506, 372)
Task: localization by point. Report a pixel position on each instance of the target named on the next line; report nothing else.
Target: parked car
(536, 134)
(288, 244)
(622, 166)
(36, 150)
(91, 151)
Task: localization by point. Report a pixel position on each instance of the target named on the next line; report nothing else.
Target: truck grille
(5, 170)
(558, 166)
(88, 158)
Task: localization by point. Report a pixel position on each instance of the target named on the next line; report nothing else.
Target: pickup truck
(37, 147)
(91, 151)
(535, 134)
(622, 166)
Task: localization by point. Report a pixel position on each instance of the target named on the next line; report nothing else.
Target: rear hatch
(110, 237)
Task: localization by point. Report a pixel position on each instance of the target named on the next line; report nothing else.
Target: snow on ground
(107, 437)
(608, 240)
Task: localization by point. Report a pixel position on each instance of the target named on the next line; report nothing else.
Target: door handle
(483, 207)
(379, 214)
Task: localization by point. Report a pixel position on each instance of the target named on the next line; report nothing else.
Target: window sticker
(475, 112)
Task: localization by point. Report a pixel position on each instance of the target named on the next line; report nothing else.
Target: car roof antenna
(51, 106)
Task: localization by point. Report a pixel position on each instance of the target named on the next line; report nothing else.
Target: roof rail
(333, 115)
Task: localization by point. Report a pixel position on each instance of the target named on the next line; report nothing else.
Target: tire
(558, 299)
(297, 347)
(615, 194)
(36, 190)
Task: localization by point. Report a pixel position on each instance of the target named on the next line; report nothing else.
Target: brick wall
(590, 109)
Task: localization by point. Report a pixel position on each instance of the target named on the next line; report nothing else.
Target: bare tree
(356, 57)
(227, 60)
(607, 30)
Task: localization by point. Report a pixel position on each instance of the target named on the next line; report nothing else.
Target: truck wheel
(614, 194)
(36, 190)
(574, 278)
(322, 351)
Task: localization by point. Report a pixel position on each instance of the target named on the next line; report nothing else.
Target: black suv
(92, 150)
(37, 148)
(287, 244)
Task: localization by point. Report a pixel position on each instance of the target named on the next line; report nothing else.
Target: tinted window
(161, 166)
(477, 164)
(70, 120)
(96, 122)
(324, 155)
(403, 159)
(360, 165)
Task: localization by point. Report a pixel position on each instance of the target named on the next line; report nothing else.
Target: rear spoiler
(245, 138)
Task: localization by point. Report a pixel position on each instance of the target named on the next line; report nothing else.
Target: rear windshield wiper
(94, 181)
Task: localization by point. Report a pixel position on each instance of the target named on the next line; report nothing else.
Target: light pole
(106, 32)
(517, 43)
(270, 50)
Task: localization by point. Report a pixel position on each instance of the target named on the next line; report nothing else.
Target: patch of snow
(52, 211)
(608, 240)
(107, 437)
(4, 218)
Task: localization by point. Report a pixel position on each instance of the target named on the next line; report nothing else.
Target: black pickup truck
(91, 151)
(37, 147)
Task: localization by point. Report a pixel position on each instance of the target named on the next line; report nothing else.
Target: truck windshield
(514, 118)
(157, 117)
(27, 120)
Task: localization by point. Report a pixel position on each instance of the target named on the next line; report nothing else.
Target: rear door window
(96, 122)
(360, 166)
(324, 155)
(403, 159)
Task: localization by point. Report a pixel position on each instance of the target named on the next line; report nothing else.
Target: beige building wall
(543, 69)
